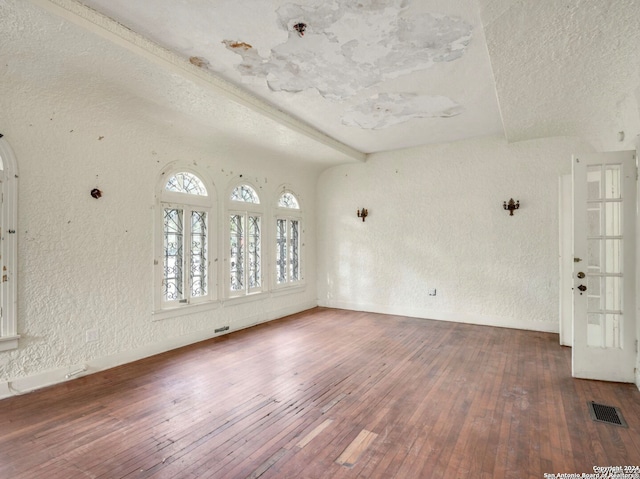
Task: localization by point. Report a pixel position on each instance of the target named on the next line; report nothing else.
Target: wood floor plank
(351, 454)
(386, 396)
(317, 430)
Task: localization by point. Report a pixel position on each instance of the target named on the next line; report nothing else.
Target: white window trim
(9, 249)
(169, 199)
(246, 209)
(288, 214)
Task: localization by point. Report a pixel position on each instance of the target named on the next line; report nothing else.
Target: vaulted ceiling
(379, 75)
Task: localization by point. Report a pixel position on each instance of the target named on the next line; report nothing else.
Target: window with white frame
(8, 247)
(288, 242)
(245, 241)
(186, 241)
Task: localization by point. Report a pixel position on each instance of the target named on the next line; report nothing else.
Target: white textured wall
(86, 263)
(436, 221)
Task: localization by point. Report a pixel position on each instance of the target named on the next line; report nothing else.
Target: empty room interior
(319, 239)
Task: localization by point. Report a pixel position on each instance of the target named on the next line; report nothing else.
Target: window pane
(198, 263)
(594, 180)
(613, 253)
(613, 293)
(287, 200)
(613, 218)
(594, 219)
(612, 182)
(603, 330)
(595, 303)
(184, 182)
(173, 248)
(593, 255)
(253, 252)
(281, 251)
(245, 193)
(294, 260)
(236, 259)
(594, 293)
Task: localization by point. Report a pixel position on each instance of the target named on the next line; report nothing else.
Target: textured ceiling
(567, 67)
(373, 74)
(364, 76)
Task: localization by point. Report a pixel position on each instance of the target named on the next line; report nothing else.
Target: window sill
(289, 289)
(247, 298)
(8, 343)
(183, 310)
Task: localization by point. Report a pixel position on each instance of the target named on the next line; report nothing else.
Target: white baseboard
(59, 375)
(542, 326)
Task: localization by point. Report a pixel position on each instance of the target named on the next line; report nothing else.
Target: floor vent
(608, 414)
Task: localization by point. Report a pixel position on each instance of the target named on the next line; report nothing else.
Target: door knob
(582, 287)
(580, 275)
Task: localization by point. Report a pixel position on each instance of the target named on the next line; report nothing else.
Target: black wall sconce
(363, 214)
(300, 28)
(511, 206)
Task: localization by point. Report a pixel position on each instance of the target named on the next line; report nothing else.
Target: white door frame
(565, 185)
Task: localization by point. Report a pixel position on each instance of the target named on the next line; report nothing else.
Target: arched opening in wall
(244, 247)
(288, 251)
(8, 247)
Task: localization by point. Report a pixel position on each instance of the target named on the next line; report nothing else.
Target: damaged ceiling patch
(388, 109)
(200, 62)
(350, 46)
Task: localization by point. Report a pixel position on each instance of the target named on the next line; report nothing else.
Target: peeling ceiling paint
(558, 68)
(415, 71)
(340, 48)
(388, 109)
(348, 47)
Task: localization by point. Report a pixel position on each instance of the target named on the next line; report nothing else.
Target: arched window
(288, 262)
(245, 241)
(8, 248)
(186, 276)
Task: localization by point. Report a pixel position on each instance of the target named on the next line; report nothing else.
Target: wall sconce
(363, 213)
(511, 206)
(300, 28)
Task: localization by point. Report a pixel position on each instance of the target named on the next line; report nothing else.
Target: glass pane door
(604, 256)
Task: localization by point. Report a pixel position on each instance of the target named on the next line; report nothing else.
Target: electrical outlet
(92, 335)
(432, 291)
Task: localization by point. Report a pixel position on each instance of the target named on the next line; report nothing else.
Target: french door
(604, 211)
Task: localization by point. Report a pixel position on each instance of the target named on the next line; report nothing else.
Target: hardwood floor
(327, 394)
